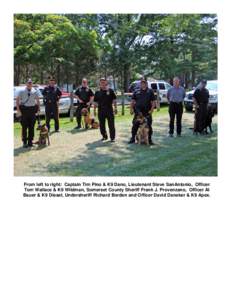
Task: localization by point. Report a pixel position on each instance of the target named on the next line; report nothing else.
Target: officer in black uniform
(52, 95)
(85, 97)
(28, 106)
(201, 100)
(143, 101)
(105, 99)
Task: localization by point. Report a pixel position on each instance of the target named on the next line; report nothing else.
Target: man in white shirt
(28, 106)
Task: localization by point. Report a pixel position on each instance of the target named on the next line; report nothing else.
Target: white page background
(112, 248)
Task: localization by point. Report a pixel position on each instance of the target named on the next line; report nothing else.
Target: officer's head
(29, 84)
(84, 82)
(52, 81)
(143, 84)
(103, 83)
(176, 81)
(203, 83)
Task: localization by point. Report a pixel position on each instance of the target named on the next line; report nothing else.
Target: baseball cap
(204, 81)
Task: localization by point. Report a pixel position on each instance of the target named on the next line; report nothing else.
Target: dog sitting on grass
(43, 135)
(142, 136)
(88, 121)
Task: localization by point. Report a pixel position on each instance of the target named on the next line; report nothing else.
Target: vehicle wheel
(188, 108)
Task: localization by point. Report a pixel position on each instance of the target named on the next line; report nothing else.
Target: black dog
(209, 117)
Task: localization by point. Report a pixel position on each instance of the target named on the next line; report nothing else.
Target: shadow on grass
(186, 156)
(76, 131)
(20, 150)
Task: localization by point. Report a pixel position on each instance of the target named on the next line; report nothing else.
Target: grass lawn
(81, 153)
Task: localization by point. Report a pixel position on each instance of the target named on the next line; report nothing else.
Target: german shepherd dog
(143, 130)
(43, 135)
(88, 121)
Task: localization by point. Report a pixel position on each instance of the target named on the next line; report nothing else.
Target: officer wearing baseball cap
(52, 95)
(143, 101)
(28, 105)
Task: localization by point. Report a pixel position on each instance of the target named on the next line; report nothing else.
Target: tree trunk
(126, 77)
(41, 77)
(58, 74)
(17, 75)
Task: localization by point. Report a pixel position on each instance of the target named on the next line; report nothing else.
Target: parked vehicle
(212, 86)
(158, 86)
(162, 87)
(64, 103)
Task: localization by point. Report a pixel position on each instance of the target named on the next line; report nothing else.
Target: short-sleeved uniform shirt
(84, 93)
(51, 94)
(176, 94)
(28, 97)
(105, 99)
(143, 100)
(201, 95)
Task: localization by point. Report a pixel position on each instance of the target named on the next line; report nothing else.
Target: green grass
(65, 123)
(186, 156)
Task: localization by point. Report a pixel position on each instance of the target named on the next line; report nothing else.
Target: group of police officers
(143, 101)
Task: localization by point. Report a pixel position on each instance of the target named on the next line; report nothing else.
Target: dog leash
(38, 119)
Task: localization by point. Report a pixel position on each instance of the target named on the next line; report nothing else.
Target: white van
(158, 86)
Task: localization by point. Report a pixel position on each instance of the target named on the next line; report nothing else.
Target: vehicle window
(212, 86)
(132, 87)
(161, 86)
(167, 86)
(40, 92)
(154, 86)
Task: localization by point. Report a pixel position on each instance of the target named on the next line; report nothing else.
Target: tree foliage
(123, 46)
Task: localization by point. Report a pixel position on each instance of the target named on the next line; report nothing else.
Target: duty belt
(50, 101)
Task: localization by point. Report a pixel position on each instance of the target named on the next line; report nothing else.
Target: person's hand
(115, 111)
(18, 114)
(158, 106)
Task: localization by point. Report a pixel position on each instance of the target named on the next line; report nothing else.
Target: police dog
(209, 117)
(43, 135)
(88, 121)
(142, 136)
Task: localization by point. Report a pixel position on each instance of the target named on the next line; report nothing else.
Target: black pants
(28, 119)
(78, 113)
(104, 115)
(135, 126)
(175, 110)
(200, 117)
(52, 111)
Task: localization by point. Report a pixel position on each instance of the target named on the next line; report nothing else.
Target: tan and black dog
(142, 136)
(88, 121)
(43, 135)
